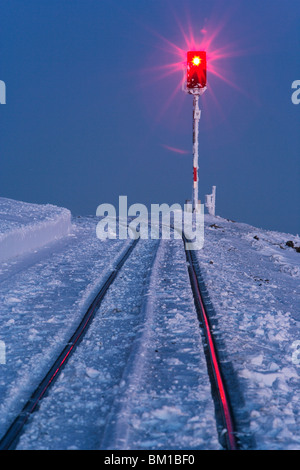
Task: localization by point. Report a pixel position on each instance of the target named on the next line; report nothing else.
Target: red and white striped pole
(196, 119)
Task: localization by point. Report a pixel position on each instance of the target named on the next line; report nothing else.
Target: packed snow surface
(138, 379)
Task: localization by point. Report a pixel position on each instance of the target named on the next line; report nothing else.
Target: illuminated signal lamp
(196, 70)
(196, 86)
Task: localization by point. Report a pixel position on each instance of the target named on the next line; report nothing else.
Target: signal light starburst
(196, 60)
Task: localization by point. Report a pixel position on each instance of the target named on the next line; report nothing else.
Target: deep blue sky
(86, 121)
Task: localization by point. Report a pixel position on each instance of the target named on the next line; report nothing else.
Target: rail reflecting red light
(9, 440)
(223, 398)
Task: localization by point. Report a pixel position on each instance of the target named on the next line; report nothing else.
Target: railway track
(10, 438)
(224, 417)
(225, 422)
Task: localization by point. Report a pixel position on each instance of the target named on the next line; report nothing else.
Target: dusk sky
(95, 110)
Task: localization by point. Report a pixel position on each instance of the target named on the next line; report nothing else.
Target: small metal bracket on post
(210, 201)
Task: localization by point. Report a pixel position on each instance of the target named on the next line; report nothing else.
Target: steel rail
(12, 435)
(212, 356)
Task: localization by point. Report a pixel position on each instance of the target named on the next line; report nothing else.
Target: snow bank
(26, 227)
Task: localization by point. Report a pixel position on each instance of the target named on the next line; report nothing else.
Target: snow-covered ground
(253, 279)
(138, 379)
(43, 294)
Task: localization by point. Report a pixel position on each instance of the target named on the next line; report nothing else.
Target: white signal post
(196, 119)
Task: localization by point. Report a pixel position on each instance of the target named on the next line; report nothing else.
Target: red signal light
(196, 69)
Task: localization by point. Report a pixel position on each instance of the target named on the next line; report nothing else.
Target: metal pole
(196, 119)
